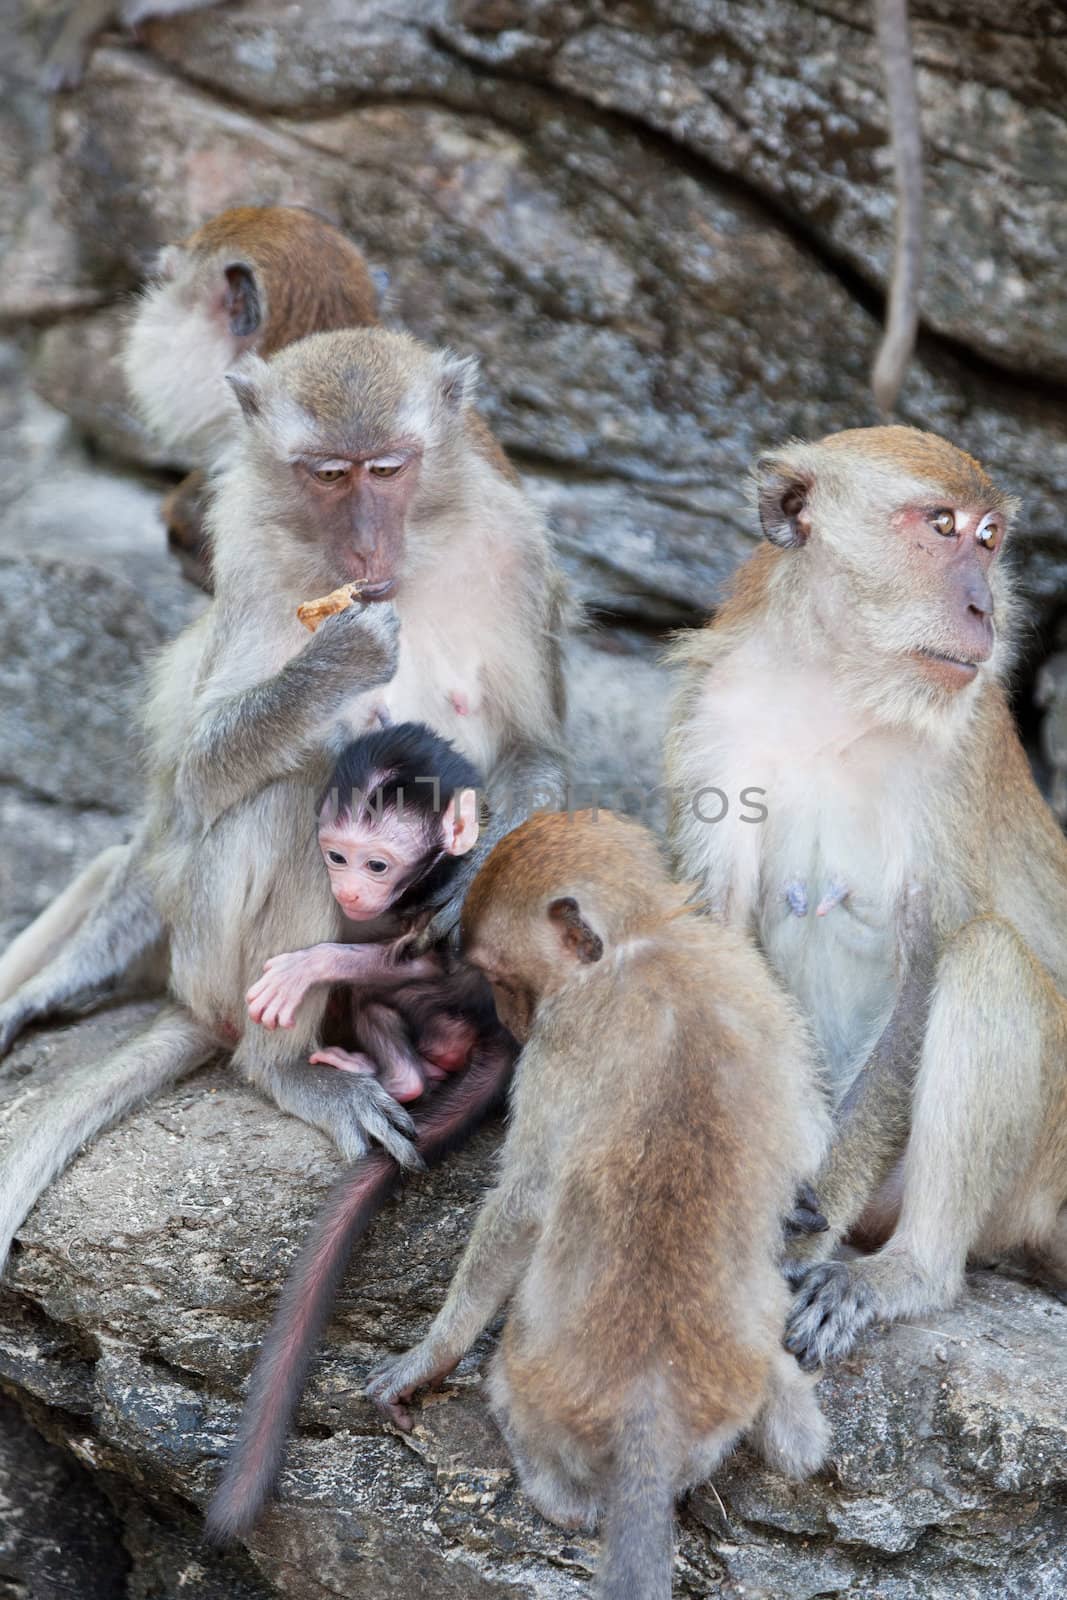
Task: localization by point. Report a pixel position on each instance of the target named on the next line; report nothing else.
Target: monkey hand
(363, 640)
(275, 998)
(396, 1380)
(805, 1217)
(833, 1305)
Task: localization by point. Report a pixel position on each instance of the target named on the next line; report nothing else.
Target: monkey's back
(693, 1114)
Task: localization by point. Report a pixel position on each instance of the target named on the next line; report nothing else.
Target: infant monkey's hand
(275, 998)
(312, 612)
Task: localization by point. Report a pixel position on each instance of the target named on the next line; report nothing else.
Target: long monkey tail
(902, 322)
(637, 1549)
(308, 1295)
(88, 1101)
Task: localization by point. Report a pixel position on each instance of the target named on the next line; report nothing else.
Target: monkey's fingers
(384, 1389)
(832, 1307)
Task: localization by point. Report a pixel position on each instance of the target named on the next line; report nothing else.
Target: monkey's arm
(492, 1263)
(875, 1115)
(275, 998)
(258, 735)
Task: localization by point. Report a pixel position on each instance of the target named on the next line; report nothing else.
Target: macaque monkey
(902, 103)
(664, 1109)
(857, 675)
(361, 461)
(68, 58)
(254, 278)
(400, 810)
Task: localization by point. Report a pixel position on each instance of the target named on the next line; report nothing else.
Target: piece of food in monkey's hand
(314, 612)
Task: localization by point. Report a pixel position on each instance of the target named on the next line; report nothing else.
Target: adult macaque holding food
(360, 460)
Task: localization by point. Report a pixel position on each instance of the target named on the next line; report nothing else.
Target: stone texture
(664, 226)
(141, 1284)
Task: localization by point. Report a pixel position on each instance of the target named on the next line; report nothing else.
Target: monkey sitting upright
(400, 810)
(857, 674)
(664, 1109)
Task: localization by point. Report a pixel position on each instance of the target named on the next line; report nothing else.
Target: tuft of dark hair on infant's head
(404, 764)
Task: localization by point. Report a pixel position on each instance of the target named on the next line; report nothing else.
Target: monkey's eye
(333, 473)
(384, 469)
(988, 535)
(336, 859)
(944, 522)
(377, 867)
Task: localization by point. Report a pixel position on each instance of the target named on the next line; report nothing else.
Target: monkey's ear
(241, 300)
(246, 381)
(782, 494)
(459, 823)
(576, 936)
(459, 379)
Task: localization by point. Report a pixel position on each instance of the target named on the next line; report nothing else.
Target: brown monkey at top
(255, 278)
(665, 1106)
(857, 675)
(361, 460)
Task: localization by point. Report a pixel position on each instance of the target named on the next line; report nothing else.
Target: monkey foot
(805, 1217)
(832, 1307)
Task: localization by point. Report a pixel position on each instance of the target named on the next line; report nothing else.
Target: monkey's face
(370, 863)
(341, 427)
(897, 537)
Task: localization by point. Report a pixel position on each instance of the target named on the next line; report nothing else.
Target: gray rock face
(144, 1279)
(664, 227)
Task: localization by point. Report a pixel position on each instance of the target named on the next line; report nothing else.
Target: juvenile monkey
(253, 278)
(360, 461)
(664, 1108)
(857, 675)
(399, 812)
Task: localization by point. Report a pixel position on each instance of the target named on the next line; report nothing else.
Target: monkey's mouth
(384, 590)
(953, 670)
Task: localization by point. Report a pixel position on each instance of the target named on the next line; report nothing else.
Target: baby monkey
(400, 809)
(663, 1112)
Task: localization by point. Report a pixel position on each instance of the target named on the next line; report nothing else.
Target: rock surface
(144, 1278)
(664, 227)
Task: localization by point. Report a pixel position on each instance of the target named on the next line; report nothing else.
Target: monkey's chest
(820, 871)
(440, 683)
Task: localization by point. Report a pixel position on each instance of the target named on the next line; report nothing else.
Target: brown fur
(889, 778)
(665, 1109)
(311, 277)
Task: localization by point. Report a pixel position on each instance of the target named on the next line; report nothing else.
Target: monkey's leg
(35, 946)
(977, 1115)
(492, 1264)
(88, 1101)
(791, 1433)
(349, 1108)
(120, 930)
(546, 1480)
(875, 1115)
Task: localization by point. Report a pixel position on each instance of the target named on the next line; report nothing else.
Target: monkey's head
(349, 437)
(254, 278)
(893, 542)
(553, 900)
(400, 809)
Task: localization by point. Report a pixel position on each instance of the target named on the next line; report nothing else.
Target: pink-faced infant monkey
(400, 809)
